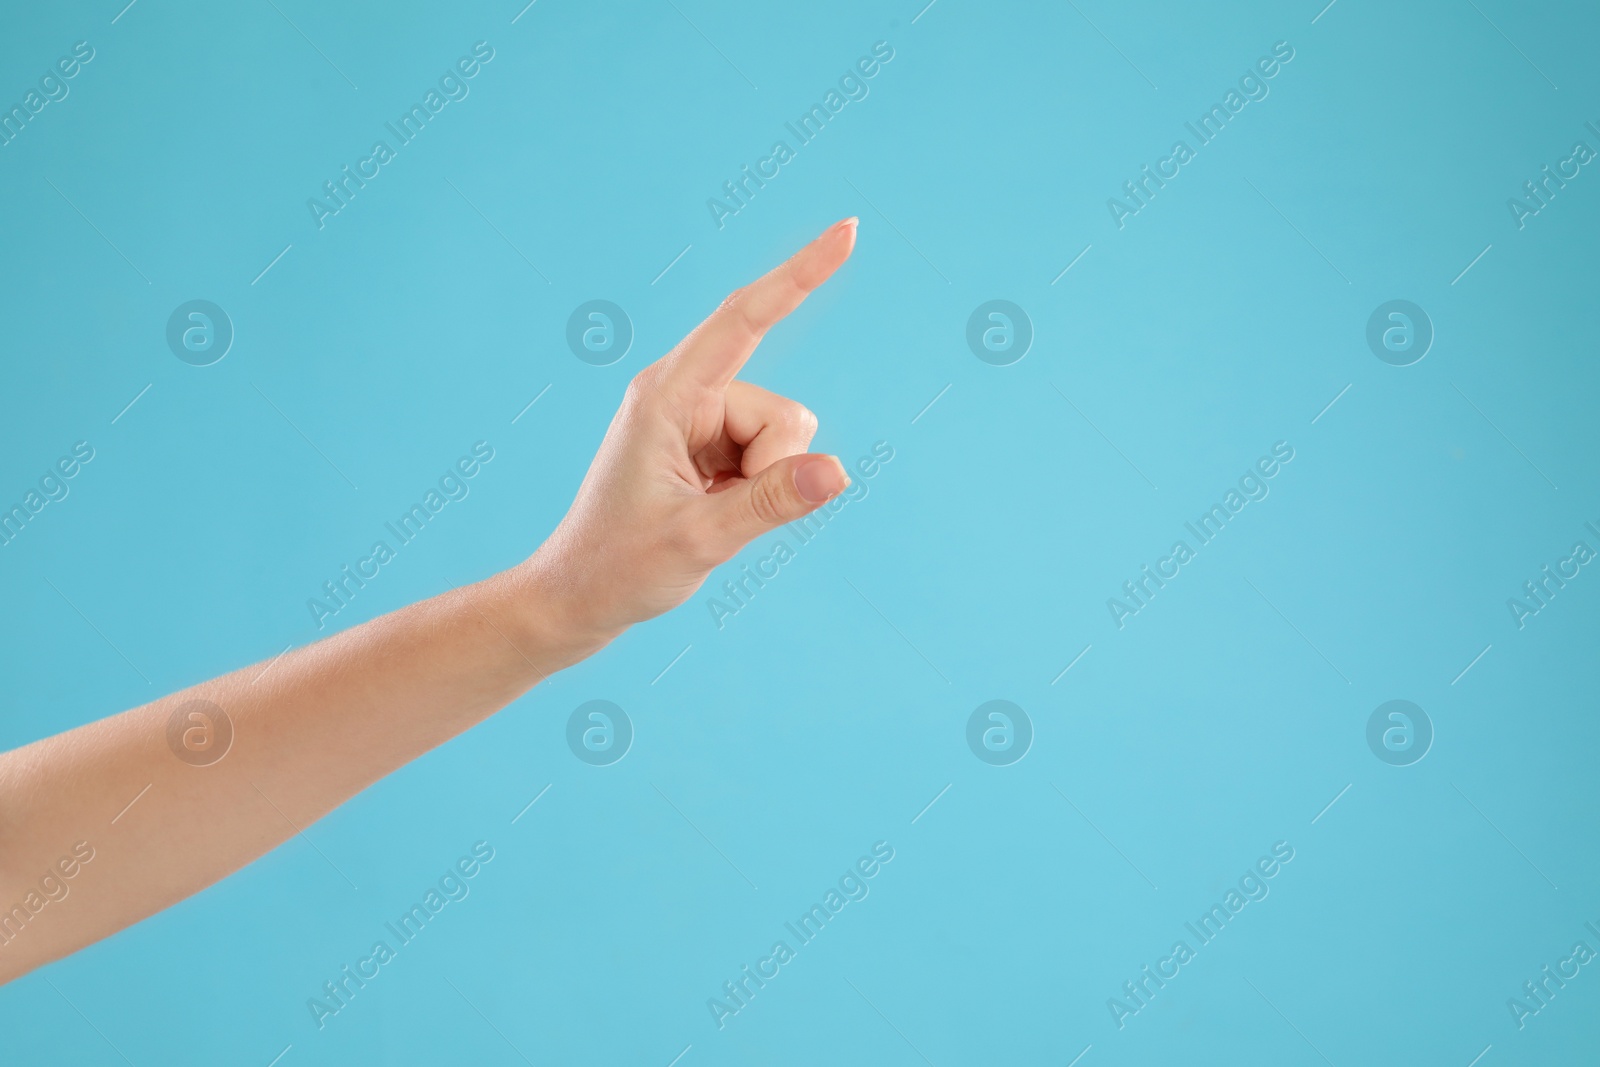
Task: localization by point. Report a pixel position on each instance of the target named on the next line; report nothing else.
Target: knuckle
(800, 419)
(799, 283)
(641, 390)
(736, 305)
(767, 503)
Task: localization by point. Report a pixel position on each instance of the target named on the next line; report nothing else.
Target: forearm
(309, 732)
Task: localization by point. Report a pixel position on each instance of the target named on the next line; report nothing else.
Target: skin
(693, 467)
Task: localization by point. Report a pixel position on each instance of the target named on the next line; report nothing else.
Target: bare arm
(694, 465)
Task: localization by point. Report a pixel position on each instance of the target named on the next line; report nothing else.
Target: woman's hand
(694, 466)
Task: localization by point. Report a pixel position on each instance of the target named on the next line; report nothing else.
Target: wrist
(555, 622)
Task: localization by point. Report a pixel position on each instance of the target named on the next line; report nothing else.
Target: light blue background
(811, 726)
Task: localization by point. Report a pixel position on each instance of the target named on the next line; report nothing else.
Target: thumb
(786, 490)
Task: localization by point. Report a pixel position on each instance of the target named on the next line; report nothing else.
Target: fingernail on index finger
(845, 229)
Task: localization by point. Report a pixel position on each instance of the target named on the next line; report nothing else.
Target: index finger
(714, 353)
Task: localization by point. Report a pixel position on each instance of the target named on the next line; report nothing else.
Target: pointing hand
(694, 466)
